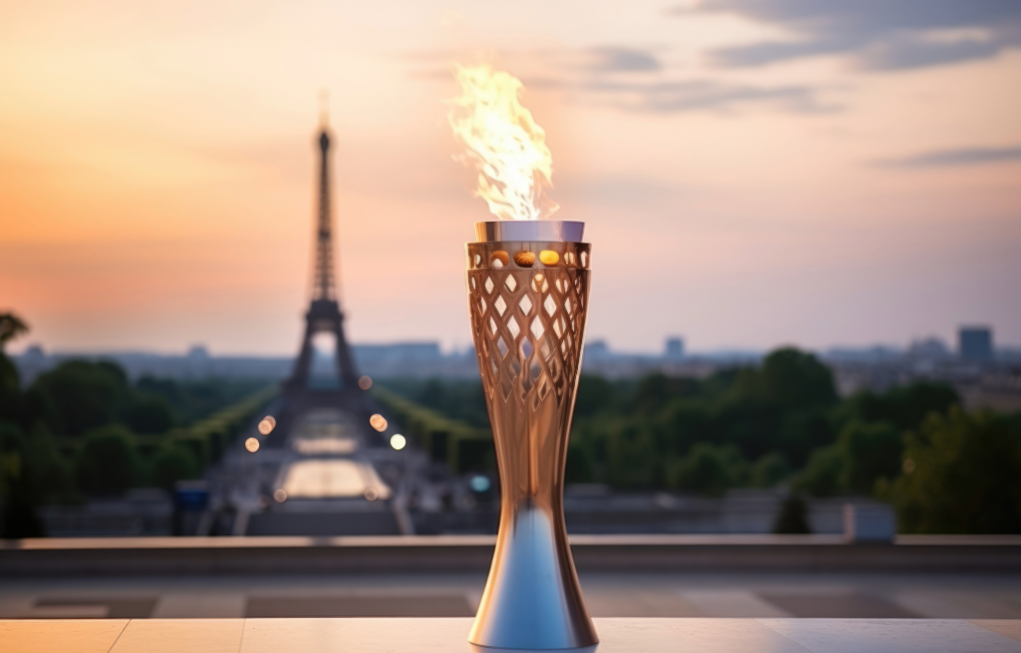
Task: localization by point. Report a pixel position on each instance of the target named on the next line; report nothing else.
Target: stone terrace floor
(873, 595)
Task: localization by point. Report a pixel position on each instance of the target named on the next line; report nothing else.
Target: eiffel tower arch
(325, 314)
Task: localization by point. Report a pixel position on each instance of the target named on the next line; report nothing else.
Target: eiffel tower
(324, 315)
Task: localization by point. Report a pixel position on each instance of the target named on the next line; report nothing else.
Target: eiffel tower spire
(324, 314)
(324, 287)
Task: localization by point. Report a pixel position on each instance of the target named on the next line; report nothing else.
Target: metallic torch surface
(528, 286)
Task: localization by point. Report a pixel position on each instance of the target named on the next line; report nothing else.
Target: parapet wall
(431, 554)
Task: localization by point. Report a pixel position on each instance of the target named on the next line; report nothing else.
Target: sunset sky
(752, 172)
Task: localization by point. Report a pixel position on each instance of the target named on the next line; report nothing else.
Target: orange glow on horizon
(157, 176)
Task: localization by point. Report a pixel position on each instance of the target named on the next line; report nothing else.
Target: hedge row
(208, 438)
(465, 448)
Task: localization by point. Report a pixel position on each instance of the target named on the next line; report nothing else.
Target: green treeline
(83, 429)
(466, 445)
(945, 470)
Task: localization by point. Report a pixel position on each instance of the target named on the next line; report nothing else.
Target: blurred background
(802, 379)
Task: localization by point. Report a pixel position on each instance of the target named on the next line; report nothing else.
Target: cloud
(877, 34)
(609, 59)
(635, 80)
(959, 157)
(701, 95)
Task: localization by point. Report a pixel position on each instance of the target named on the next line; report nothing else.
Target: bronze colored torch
(528, 285)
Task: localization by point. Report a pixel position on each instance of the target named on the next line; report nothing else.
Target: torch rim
(565, 231)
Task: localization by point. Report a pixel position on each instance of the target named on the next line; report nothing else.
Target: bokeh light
(480, 483)
(378, 422)
(280, 495)
(398, 441)
(252, 444)
(267, 424)
(365, 383)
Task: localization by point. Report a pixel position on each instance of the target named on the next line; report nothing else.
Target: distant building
(931, 349)
(198, 352)
(597, 349)
(975, 343)
(674, 348)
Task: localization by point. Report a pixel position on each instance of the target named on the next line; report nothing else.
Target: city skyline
(157, 182)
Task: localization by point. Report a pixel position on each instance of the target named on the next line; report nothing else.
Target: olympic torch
(528, 289)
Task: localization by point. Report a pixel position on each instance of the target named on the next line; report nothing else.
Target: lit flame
(504, 143)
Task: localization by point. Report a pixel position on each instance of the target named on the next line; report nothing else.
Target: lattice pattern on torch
(528, 321)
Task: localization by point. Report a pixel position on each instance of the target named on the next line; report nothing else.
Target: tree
(51, 475)
(149, 413)
(172, 464)
(864, 453)
(769, 470)
(107, 463)
(872, 451)
(961, 473)
(802, 431)
(905, 407)
(632, 462)
(709, 470)
(794, 379)
(18, 500)
(85, 395)
(11, 326)
(822, 475)
(595, 394)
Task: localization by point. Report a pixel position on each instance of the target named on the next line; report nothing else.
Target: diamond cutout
(502, 346)
(489, 285)
(537, 328)
(527, 349)
(567, 305)
(510, 283)
(473, 283)
(500, 305)
(550, 305)
(543, 389)
(512, 326)
(525, 304)
(584, 259)
(535, 369)
(515, 368)
(492, 325)
(482, 303)
(556, 329)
